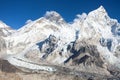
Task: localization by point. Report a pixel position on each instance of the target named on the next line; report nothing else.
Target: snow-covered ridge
(3, 25)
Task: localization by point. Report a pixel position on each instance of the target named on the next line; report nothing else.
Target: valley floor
(9, 72)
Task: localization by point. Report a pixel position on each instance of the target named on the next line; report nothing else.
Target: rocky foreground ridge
(50, 48)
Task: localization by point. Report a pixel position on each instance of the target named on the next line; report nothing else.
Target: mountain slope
(5, 31)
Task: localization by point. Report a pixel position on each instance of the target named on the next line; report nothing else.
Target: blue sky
(16, 12)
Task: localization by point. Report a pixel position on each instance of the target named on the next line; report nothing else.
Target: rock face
(2, 45)
(86, 54)
(90, 44)
(50, 45)
(117, 51)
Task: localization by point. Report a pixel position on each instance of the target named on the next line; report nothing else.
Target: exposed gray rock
(85, 53)
(106, 43)
(2, 44)
(117, 51)
(48, 46)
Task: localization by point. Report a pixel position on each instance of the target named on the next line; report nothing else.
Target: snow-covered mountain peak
(102, 9)
(96, 24)
(99, 13)
(53, 16)
(5, 30)
(3, 25)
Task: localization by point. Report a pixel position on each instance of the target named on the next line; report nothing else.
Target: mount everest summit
(91, 43)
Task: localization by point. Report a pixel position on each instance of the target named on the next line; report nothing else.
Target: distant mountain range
(91, 43)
